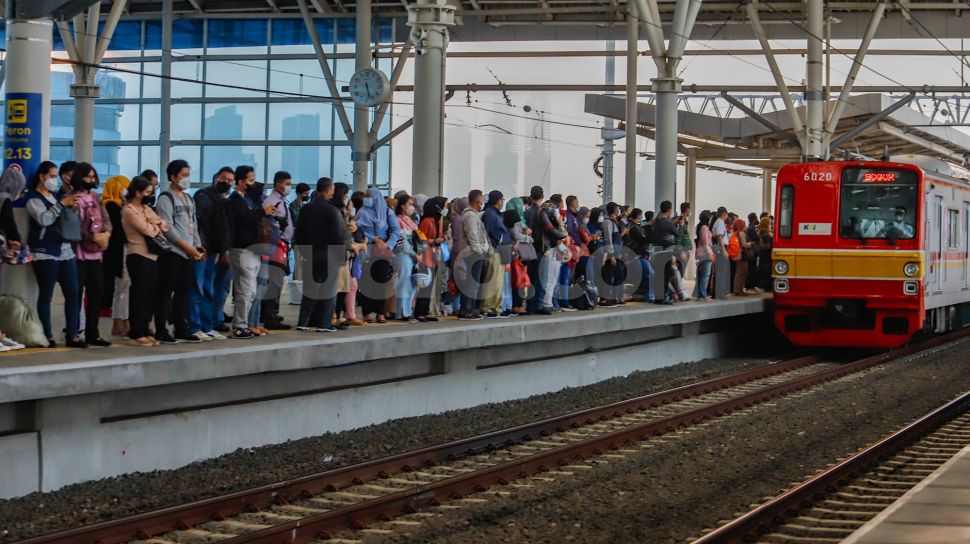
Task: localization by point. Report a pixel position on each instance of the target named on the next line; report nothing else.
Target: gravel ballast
(688, 482)
(92, 502)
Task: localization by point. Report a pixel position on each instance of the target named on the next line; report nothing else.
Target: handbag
(520, 275)
(505, 253)
(443, 252)
(527, 252)
(158, 245)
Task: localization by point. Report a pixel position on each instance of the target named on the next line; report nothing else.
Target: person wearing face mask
(474, 258)
(176, 267)
(140, 222)
(212, 276)
(152, 178)
(404, 258)
(502, 245)
(432, 228)
(116, 281)
(279, 262)
(65, 172)
(246, 213)
(358, 248)
(382, 231)
(55, 228)
(95, 235)
(301, 199)
(346, 289)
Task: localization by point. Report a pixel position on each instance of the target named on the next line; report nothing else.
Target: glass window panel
(188, 70)
(346, 30)
(187, 35)
(192, 154)
(384, 30)
(153, 85)
(248, 74)
(127, 36)
(382, 168)
(235, 122)
(343, 167)
(153, 35)
(122, 83)
(115, 161)
(216, 156)
(62, 123)
(149, 158)
(306, 164)
(242, 35)
(115, 122)
(343, 71)
(298, 76)
(187, 122)
(61, 153)
(300, 121)
(151, 122)
(294, 32)
(61, 81)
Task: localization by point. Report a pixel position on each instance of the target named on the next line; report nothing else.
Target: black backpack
(586, 298)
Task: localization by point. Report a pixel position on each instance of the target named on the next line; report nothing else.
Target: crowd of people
(162, 263)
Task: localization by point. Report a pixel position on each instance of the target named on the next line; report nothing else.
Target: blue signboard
(22, 132)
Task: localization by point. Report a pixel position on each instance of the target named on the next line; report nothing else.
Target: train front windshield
(879, 203)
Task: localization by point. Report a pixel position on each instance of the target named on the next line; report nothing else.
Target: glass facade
(245, 91)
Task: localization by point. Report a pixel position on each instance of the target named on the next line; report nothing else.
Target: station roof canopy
(746, 141)
(525, 20)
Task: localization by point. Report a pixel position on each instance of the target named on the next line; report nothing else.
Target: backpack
(734, 246)
(587, 296)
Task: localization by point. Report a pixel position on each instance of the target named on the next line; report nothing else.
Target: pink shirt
(704, 239)
(94, 220)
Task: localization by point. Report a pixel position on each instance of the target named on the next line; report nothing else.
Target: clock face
(369, 87)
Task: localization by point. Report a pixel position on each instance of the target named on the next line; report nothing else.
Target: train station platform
(70, 415)
(936, 511)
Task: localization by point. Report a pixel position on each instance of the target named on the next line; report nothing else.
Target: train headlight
(911, 269)
(781, 268)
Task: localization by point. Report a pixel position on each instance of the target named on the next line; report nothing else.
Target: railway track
(322, 505)
(834, 503)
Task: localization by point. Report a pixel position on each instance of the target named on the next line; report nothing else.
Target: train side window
(785, 213)
(953, 233)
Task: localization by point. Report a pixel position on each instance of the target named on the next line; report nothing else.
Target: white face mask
(286, 191)
(444, 212)
(51, 184)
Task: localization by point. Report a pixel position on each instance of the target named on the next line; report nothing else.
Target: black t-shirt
(664, 232)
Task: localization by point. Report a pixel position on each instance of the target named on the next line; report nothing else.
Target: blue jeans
(703, 277)
(647, 279)
(562, 286)
(50, 273)
(262, 285)
(202, 295)
(507, 292)
(403, 267)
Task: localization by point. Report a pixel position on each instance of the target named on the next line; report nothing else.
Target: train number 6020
(818, 176)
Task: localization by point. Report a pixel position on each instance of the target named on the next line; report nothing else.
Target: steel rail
(143, 526)
(771, 514)
(326, 524)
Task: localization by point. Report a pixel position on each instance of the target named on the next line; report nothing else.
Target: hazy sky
(575, 148)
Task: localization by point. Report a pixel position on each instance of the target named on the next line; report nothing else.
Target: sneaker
(545, 311)
(506, 313)
(213, 335)
(491, 315)
(12, 344)
(609, 304)
(331, 328)
(471, 317)
(567, 308)
(301, 328)
(241, 334)
(167, 339)
(4, 348)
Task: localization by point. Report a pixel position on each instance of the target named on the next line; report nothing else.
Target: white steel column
(630, 185)
(165, 133)
(815, 142)
(28, 78)
(690, 187)
(361, 154)
(429, 21)
(767, 183)
(836, 115)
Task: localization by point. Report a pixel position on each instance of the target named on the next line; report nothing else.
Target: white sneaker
(203, 337)
(214, 335)
(12, 344)
(4, 348)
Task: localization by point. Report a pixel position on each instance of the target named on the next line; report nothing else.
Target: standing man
(532, 219)
(302, 197)
(474, 257)
(499, 241)
(321, 234)
(245, 215)
(212, 276)
(176, 267)
(279, 261)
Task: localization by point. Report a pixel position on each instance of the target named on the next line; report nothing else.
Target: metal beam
(393, 134)
(922, 142)
(630, 176)
(863, 126)
(782, 133)
(395, 78)
(836, 114)
(165, 132)
(325, 66)
(652, 28)
(117, 8)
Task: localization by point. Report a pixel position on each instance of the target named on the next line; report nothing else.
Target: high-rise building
(538, 150)
(302, 162)
(458, 167)
(225, 123)
(106, 122)
(502, 159)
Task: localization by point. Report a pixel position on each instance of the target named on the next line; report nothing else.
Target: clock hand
(367, 86)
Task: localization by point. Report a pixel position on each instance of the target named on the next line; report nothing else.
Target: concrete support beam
(429, 21)
(816, 144)
(165, 132)
(767, 184)
(630, 184)
(28, 78)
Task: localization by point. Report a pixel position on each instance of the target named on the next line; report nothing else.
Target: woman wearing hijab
(433, 231)
(11, 185)
(381, 229)
(405, 257)
(116, 281)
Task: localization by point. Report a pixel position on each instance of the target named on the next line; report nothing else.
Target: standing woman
(140, 222)
(704, 254)
(741, 267)
(433, 230)
(54, 229)
(95, 235)
(116, 280)
(404, 259)
(359, 245)
(380, 228)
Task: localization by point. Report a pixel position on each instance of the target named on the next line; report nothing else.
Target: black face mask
(91, 186)
(222, 187)
(149, 200)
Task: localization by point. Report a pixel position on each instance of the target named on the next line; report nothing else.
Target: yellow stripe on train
(861, 264)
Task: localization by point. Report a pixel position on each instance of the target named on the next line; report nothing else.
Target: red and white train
(866, 254)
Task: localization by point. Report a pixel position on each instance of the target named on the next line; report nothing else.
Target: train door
(935, 228)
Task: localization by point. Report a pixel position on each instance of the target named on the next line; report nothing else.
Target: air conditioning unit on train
(933, 164)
